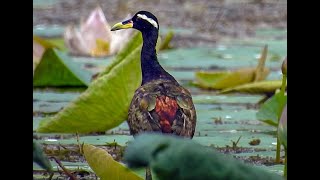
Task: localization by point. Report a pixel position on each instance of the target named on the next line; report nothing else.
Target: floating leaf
(105, 167)
(270, 111)
(229, 79)
(176, 158)
(104, 105)
(226, 79)
(256, 87)
(40, 158)
(57, 69)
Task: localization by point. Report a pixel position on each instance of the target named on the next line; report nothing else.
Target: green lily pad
(105, 167)
(57, 69)
(229, 79)
(104, 105)
(255, 87)
(226, 79)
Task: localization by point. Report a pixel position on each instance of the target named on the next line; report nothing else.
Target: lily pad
(226, 79)
(57, 69)
(104, 105)
(256, 87)
(105, 167)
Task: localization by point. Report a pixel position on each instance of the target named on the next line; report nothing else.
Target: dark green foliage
(40, 158)
(176, 158)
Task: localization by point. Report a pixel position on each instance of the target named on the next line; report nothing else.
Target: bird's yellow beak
(122, 25)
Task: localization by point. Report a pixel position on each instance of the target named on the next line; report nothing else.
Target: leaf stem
(65, 170)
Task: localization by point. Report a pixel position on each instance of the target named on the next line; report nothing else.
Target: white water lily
(94, 38)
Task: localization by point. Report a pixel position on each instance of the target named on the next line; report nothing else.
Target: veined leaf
(133, 43)
(104, 105)
(105, 167)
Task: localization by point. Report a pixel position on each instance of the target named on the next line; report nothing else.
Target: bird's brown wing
(157, 103)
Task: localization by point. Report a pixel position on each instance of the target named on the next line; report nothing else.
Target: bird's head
(142, 21)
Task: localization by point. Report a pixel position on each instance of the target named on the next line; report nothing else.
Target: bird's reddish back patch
(166, 109)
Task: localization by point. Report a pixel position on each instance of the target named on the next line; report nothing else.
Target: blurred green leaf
(172, 157)
(57, 69)
(271, 110)
(133, 43)
(282, 128)
(105, 167)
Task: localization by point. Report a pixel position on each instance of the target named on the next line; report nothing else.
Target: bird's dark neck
(151, 69)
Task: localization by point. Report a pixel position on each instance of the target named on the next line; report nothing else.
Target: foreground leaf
(57, 69)
(226, 79)
(256, 87)
(104, 105)
(271, 110)
(182, 159)
(282, 128)
(105, 167)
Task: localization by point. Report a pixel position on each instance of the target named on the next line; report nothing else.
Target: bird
(160, 104)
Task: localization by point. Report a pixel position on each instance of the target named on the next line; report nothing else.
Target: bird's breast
(166, 108)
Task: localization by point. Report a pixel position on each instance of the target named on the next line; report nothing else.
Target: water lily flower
(93, 37)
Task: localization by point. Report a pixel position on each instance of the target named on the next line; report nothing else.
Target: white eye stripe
(151, 21)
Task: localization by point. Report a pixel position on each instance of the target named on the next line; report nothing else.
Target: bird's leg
(148, 173)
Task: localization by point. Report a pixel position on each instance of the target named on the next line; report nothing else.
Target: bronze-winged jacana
(160, 104)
